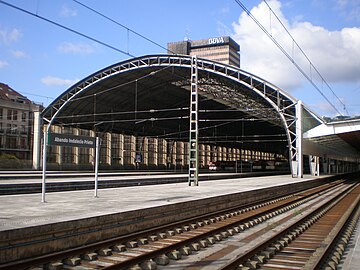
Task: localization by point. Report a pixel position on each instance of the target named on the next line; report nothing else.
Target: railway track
(290, 217)
(317, 241)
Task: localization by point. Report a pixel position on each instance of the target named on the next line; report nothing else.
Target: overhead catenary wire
(312, 66)
(124, 112)
(307, 58)
(66, 28)
(36, 95)
(77, 32)
(121, 25)
(287, 55)
(152, 73)
(135, 121)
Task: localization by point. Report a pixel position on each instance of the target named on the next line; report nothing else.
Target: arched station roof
(150, 96)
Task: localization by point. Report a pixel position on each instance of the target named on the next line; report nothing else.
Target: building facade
(16, 123)
(220, 49)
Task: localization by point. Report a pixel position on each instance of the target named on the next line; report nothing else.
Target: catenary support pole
(299, 137)
(96, 166)
(43, 182)
(194, 131)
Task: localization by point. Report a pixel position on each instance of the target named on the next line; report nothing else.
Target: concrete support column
(121, 149)
(314, 165)
(201, 155)
(186, 153)
(117, 147)
(151, 152)
(208, 155)
(108, 159)
(37, 141)
(162, 154)
(237, 154)
(59, 150)
(181, 154)
(91, 156)
(299, 137)
(76, 149)
(219, 153)
(132, 149)
(325, 165)
(173, 153)
(146, 151)
(156, 153)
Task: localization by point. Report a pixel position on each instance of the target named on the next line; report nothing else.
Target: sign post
(43, 181)
(96, 166)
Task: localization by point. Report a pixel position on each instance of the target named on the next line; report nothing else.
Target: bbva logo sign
(216, 40)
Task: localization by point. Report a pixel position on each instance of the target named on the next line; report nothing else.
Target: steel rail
(242, 260)
(123, 239)
(222, 227)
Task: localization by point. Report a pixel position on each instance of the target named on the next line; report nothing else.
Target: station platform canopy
(150, 96)
(340, 138)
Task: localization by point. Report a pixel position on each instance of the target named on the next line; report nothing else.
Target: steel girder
(271, 103)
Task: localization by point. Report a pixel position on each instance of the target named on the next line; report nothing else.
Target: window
(23, 143)
(15, 115)
(11, 142)
(23, 117)
(14, 129)
(1, 113)
(9, 114)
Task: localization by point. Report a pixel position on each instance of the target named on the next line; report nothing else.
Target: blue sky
(41, 60)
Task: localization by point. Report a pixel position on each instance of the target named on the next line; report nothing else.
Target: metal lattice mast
(194, 131)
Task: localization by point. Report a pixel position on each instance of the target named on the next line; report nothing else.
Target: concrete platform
(352, 252)
(58, 177)
(20, 211)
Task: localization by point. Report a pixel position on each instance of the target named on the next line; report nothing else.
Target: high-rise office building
(220, 49)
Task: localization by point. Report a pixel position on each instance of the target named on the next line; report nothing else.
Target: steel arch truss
(245, 92)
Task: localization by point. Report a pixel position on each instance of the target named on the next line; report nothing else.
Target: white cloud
(336, 54)
(55, 81)
(223, 29)
(324, 107)
(67, 12)
(9, 36)
(225, 9)
(18, 54)
(3, 64)
(76, 48)
(349, 9)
